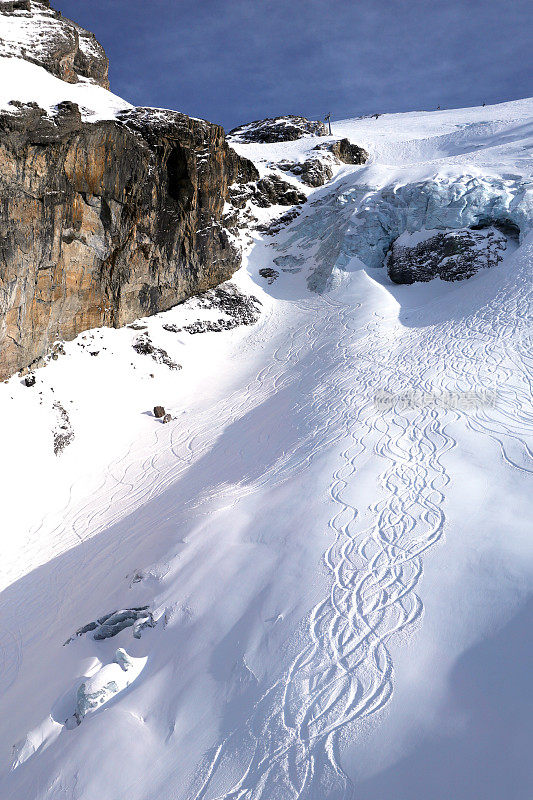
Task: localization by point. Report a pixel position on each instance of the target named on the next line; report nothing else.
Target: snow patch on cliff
(20, 80)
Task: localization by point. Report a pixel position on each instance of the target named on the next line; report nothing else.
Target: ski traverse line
(127, 484)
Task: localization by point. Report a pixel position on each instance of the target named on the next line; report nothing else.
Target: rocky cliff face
(39, 34)
(101, 223)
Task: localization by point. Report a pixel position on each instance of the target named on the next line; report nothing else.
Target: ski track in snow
(345, 673)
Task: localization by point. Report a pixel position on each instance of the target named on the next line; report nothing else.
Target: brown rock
(159, 412)
(107, 222)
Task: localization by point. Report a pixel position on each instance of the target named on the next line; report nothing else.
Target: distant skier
(327, 119)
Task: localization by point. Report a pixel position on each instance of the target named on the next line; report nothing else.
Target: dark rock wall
(103, 223)
(451, 255)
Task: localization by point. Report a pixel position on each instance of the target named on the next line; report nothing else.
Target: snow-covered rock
(449, 255)
(277, 129)
(33, 31)
(345, 151)
(312, 171)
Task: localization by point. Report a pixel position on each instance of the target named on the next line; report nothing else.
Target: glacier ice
(358, 221)
(108, 681)
(109, 625)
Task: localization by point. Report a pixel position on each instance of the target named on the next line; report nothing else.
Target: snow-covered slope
(22, 81)
(332, 536)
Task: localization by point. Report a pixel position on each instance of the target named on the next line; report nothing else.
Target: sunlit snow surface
(333, 533)
(25, 82)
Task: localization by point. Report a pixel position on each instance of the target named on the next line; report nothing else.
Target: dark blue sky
(231, 61)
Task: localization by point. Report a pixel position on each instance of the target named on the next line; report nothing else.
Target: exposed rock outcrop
(38, 33)
(450, 255)
(277, 129)
(345, 151)
(313, 172)
(239, 309)
(265, 192)
(316, 170)
(269, 274)
(273, 190)
(271, 228)
(145, 347)
(103, 223)
(63, 433)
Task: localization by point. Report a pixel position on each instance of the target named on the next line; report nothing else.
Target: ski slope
(333, 534)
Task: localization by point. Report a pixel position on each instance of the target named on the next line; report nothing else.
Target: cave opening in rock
(179, 180)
